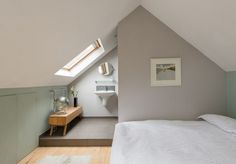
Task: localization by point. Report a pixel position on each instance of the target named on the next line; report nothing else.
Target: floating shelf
(105, 81)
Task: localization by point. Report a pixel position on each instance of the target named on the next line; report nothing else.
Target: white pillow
(225, 123)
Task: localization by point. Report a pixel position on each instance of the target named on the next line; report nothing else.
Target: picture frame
(165, 71)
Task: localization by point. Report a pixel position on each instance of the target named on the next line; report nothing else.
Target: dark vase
(75, 101)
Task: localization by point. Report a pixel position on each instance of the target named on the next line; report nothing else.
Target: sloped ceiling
(209, 25)
(39, 37)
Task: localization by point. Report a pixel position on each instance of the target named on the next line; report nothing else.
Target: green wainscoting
(231, 94)
(23, 117)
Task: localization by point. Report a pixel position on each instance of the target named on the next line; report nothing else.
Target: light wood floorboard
(100, 155)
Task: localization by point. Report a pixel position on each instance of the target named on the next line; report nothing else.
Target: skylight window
(82, 60)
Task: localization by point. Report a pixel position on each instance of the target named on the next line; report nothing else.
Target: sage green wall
(231, 94)
(23, 117)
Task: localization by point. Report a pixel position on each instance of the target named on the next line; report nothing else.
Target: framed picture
(166, 72)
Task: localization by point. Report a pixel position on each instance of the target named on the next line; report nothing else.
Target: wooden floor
(100, 155)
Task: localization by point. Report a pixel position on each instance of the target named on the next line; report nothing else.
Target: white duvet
(172, 142)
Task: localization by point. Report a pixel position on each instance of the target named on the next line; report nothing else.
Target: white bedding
(172, 142)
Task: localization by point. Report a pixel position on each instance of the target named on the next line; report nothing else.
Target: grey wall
(85, 84)
(24, 114)
(231, 94)
(140, 37)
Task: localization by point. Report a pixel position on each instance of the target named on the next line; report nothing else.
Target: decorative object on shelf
(74, 94)
(105, 69)
(75, 101)
(166, 72)
(59, 104)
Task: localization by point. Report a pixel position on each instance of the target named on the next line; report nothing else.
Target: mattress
(172, 142)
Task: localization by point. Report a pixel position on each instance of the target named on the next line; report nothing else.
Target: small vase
(75, 101)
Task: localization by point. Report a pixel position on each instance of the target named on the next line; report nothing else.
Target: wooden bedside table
(64, 119)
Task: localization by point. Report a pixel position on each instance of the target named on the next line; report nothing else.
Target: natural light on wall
(82, 60)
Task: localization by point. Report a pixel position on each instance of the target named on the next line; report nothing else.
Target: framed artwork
(166, 72)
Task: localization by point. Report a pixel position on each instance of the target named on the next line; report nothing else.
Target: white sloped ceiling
(38, 37)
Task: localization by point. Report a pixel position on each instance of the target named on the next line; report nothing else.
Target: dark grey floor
(83, 132)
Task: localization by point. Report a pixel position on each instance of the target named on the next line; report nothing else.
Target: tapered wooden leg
(51, 130)
(65, 127)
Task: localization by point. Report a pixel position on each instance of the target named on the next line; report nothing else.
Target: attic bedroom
(117, 82)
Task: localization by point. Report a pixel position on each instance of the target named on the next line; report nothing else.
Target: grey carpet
(87, 128)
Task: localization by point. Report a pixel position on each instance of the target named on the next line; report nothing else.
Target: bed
(174, 142)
